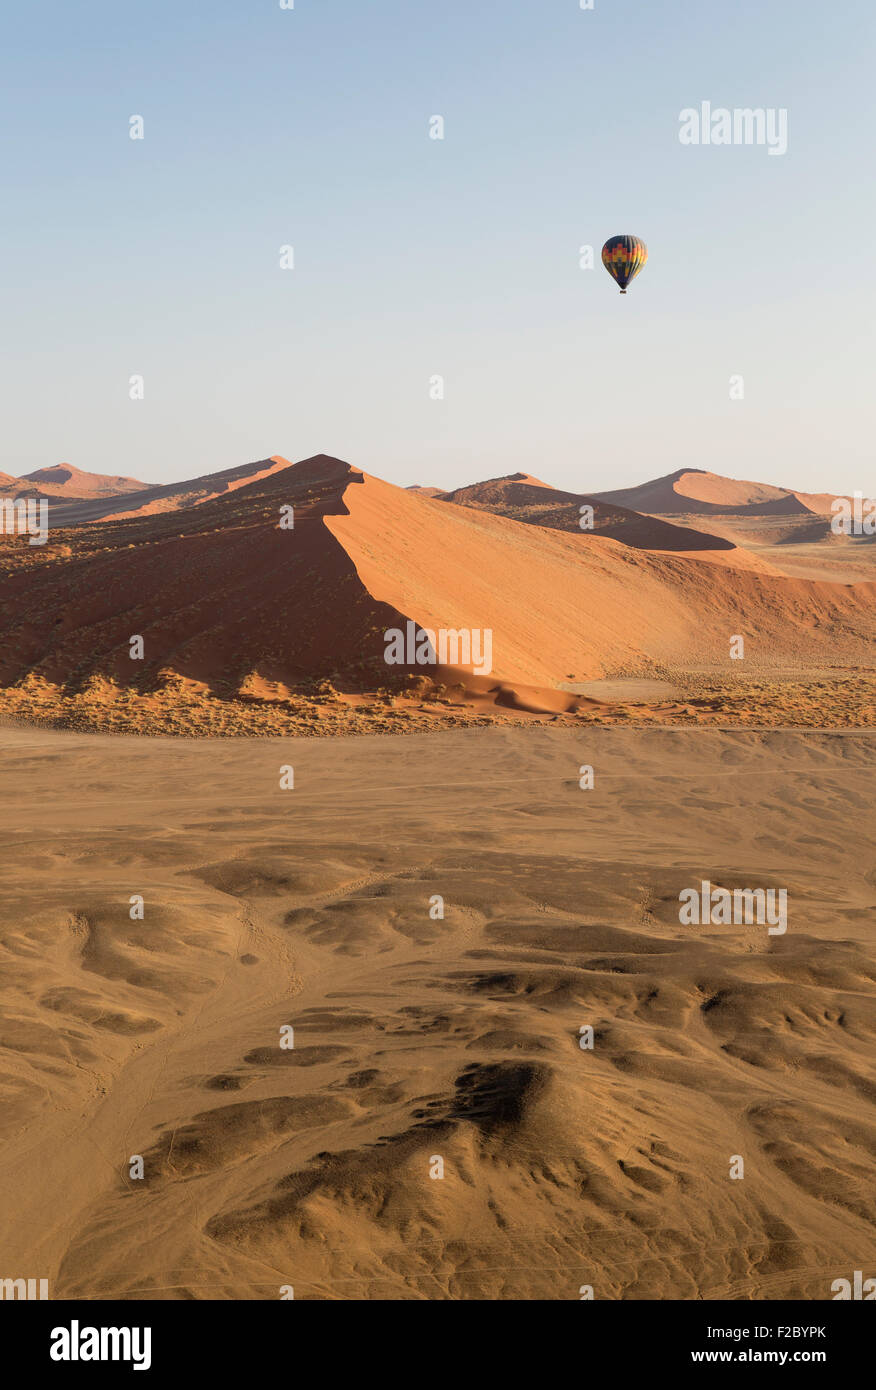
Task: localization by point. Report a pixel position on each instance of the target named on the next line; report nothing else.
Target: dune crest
(691, 491)
(63, 480)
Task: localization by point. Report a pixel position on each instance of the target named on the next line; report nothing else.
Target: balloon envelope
(623, 258)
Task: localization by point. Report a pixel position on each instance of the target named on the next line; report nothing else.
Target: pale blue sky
(417, 257)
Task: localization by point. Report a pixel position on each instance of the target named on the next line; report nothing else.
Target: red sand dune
(693, 491)
(65, 481)
(150, 499)
(223, 596)
(522, 497)
(559, 608)
(12, 487)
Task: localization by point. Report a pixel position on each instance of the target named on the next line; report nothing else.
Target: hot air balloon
(623, 258)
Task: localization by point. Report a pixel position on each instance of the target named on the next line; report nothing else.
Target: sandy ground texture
(788, 699)
(421, 1042)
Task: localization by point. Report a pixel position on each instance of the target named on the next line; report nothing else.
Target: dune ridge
(696, 491)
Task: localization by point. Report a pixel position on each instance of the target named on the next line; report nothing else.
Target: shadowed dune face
(436, 1130)
(217, 593)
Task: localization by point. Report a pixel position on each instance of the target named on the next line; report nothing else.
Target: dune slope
(524, 498)
(694, 491)
(64, 481)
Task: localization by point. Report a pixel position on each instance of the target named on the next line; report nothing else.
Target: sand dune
(524, 498)
(556, 605)
(12, 487)
(227, 601)
(436, 1131)
(693, 491)
(153, 499)
(68, 483)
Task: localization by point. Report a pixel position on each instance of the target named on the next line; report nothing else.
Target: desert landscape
(368, 981)
(252, 627)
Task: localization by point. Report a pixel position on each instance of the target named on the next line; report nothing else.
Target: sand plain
(418, 1039)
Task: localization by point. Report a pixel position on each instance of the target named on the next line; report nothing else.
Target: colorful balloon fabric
(623, 258)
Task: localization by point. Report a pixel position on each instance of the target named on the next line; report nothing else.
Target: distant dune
(692, 491)
(14, 487)
(525, 498)
(65, 481)
(150, 500)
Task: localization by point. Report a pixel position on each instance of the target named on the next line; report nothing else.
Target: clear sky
(417, 257)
